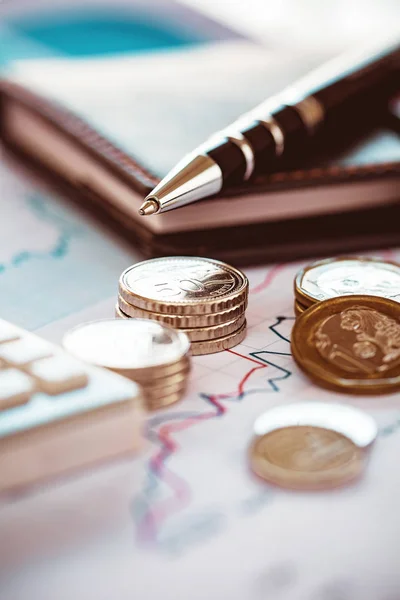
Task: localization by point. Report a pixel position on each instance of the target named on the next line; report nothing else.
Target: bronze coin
(158, 393)
(347, 275)
(160, 403)
(200, 334)
(166, 380)
(350, 344)
(299, 308)
(306, 458)
(219, 344)
(124, 310)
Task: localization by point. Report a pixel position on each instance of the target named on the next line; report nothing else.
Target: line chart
(150, 513)
(169, 489)
(157, 470)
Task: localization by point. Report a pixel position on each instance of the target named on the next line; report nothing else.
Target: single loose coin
(220, 344)
(351, 422)
(128, 345)
(350, 344)
(183, 285)
(181, 321)
(304, 457)
(345, 276)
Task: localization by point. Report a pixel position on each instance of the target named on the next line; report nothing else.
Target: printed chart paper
(186, 520)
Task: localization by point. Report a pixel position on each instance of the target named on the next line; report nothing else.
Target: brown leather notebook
(344, 197)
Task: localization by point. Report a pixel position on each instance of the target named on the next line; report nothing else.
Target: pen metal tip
(149, 207)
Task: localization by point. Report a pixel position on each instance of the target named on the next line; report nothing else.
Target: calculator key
(24, 351)
(80, 415)
(58, 374)
(16, 388)
(8, 332)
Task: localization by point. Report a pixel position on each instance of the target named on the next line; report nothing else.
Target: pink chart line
(155, 516)
(270, 276)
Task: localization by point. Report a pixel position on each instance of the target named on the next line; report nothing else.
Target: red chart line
(181, 497)
(246, 357)
(169, 446)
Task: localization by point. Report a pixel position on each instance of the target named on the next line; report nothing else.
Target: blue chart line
(285, 373)
(139, 505)
(66, 231)
(274, 382)
(274, 327)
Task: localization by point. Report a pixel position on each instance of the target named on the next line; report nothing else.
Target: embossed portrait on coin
(180, 282)
(359, 340)
(356, 277)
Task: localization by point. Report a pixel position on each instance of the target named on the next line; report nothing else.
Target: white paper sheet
(186, 519)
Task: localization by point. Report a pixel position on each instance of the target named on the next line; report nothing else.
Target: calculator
(58, 413)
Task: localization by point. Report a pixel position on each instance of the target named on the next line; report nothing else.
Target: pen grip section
(231, 161)
(360, 87)
(263, 144)
(295, 131)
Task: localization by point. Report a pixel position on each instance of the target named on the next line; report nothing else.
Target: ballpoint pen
(330, 97)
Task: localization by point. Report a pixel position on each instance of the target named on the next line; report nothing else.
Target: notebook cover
(290, 238)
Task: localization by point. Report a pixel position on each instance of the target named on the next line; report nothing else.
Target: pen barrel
(361, 84)
(347, 91)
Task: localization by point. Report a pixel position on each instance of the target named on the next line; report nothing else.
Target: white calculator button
(58, 374)
(15, 388)
(25, 350)
(8, 332)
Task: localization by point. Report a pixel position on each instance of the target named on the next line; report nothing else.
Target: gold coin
(157, 382)
(165, 390)
(306, 457)
(220, 344)
(120, 313)
(299, 308)
(351, 422)
(159, 403)
(155, 374)
(132, 346)
(183, 285)
(350, 344)
(201, 334)
(346, 276)
(181, 321)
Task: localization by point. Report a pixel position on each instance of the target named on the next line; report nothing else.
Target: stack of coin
(347, 335)
(152, 354)
(206, 299)
(344, 276)
(311, 445)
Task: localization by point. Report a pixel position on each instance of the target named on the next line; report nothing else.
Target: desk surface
(186, 519)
